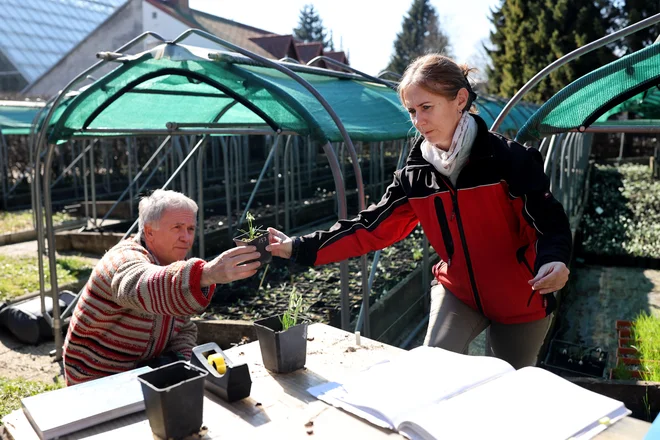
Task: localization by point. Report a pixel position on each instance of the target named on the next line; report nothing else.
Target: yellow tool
(218, 362)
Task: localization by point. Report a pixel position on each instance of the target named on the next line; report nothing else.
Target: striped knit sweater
(131, 310)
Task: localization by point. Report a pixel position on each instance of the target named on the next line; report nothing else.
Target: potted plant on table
(254, 236)
(283, 339)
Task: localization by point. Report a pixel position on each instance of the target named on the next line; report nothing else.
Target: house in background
(46, 43)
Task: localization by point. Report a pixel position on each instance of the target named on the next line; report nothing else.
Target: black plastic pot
(282, 351)
(260, 242)
(174, 399)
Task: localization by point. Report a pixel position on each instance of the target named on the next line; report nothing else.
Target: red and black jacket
(492, 231)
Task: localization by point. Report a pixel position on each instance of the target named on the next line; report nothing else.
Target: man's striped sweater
(132, 310)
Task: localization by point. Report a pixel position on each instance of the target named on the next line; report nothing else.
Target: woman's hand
(550, 278)
(280, 244)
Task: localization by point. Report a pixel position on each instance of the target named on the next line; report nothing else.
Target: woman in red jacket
(485, 206)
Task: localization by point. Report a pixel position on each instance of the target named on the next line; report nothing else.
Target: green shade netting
(646, 105)
(17, 119)
(629, 123)
(588, 98)
(489, 108)
(147, 93)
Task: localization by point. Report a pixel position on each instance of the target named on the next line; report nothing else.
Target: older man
(136, 305)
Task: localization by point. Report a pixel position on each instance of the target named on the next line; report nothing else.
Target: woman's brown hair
(440, 75)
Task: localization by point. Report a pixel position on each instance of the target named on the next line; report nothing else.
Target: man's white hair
(153, 206)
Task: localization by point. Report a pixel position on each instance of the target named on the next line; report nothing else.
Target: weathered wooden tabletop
(279, 406)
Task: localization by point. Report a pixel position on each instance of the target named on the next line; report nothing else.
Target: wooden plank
(279, 405)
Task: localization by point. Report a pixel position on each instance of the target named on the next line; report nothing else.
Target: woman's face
(434, 116)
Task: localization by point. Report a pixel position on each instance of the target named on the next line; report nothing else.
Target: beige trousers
(453, 325)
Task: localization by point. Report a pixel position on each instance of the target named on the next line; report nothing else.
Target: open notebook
(431, 393)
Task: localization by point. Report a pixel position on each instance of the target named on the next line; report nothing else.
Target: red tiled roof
(308, 51)
(337, 56)
(279, 46)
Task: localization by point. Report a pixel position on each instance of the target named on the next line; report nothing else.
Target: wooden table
(279, 406)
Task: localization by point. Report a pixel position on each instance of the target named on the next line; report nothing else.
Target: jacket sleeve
(540, 209)
(172, 290)
(375, 228)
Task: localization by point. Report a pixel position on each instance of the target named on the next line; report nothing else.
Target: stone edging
(31, 234)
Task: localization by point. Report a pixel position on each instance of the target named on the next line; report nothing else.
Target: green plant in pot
(254, 236)
(283, 338)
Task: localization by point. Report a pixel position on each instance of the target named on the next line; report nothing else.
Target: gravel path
(28, 361)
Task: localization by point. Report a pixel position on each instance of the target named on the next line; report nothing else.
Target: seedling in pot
(252, 231)
(254, 236)
(290, 317)
(282, 339)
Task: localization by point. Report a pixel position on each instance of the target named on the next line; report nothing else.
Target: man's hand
(550, 278)
(280, 244)
(230, 266)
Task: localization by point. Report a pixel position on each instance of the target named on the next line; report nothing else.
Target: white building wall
(168, 27)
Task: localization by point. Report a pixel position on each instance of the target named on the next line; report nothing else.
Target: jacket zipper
(457, 214)
(444, 228)
(520, 254)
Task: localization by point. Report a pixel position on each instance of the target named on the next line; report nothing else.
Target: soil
(31, 362)
(267, 295)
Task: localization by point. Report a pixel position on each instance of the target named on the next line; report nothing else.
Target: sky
(366, 29)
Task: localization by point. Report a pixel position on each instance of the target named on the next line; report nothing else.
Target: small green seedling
(252, 231)
(290, 317)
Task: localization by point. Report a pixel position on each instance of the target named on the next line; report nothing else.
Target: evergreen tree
(420, 34)
(310, 28)
(531, 34)
(631, 12)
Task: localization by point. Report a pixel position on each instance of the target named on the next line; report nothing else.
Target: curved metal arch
(289, 60)
(513, 118)
(352, 69)
(383, 73)
(648, 22)
(302, 111)
(186, 74)
(345, 317)
(47, 202)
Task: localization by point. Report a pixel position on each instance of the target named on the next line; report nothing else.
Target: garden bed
(320, 286)
(621, 224)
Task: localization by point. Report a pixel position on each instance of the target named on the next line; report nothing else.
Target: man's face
(171, 238)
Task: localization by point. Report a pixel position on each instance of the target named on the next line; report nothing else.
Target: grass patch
(22, 220)
(646, 330)
(20, 275)
(13, 390)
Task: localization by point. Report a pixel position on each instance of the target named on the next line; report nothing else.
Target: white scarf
(450, 162)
